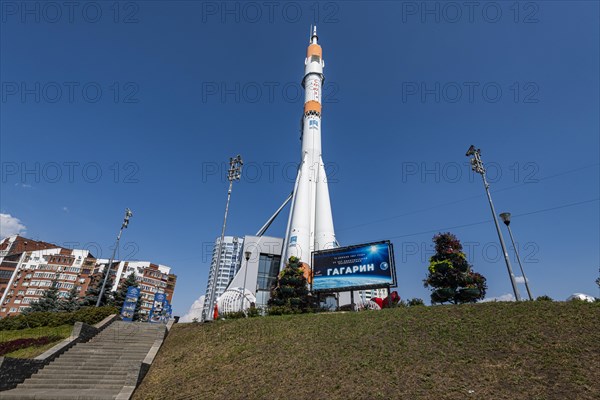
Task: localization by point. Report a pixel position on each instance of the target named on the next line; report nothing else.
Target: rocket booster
(310, 224)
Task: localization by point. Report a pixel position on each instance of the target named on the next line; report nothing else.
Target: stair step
(58, 394)
(54, 385)
(93, 366)
(74, 375)
(88, 382)
(96, 356)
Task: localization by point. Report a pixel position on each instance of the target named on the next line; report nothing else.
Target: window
(268, 269)
(13, 309)
(4, 274)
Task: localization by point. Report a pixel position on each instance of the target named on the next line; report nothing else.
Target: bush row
(88, 315)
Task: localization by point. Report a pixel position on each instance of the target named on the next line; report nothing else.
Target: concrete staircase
(98, 369)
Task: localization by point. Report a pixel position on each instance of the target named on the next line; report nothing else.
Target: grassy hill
(528, 350)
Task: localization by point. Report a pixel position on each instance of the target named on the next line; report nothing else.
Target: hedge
(88, 315)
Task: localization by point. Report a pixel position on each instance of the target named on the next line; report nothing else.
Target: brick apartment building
(28, 268)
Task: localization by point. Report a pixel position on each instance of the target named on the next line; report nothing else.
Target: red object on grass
(393, 298)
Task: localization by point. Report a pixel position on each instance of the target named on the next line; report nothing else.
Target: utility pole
(233, 174)
(477, 166)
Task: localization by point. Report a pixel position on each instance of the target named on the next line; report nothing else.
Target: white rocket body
(310, 224)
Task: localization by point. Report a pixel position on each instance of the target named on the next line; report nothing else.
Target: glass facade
(268, 269)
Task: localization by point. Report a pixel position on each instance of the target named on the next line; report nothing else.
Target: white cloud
(520, 279)
(10, 225)
(65, 209)
(503, 297)
(195, 311)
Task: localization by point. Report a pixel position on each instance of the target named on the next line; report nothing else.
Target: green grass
(32, 351)
(62, 331)
(528, 350)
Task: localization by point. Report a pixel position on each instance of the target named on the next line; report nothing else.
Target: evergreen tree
(450, 275)
(71, 302)
(291, 291)
(48, 302)
(120, 295)
(93, 291)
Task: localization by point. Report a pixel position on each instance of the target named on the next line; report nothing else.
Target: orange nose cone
(314, 50)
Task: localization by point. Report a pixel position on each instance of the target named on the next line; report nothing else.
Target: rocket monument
(310, 224)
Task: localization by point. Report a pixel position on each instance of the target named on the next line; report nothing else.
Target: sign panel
(158, 307)
(363, 266)
(128, 309)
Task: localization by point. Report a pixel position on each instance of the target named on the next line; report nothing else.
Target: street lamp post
(477, 166)
(233, 174)
(506, 219)
(247, 254)
(128, 214)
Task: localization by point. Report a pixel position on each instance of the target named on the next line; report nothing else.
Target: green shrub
(88, 315)
(281, 310)
(254, 312)
(544, 298)
(415, 302)
(232, 315)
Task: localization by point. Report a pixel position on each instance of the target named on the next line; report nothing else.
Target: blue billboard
(128, 309)
(364, 266)
(158, 308)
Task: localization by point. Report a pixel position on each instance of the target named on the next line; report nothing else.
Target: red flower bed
(13, 345)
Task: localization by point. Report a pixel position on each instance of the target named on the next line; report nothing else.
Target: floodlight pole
(233, 174)
(128, 214)
(506, 219)
(477, 166)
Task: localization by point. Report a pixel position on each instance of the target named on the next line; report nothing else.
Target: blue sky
(137, 105)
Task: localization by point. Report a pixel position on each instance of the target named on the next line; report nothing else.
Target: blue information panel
(161, 309)
(364, 266)
(128, 309)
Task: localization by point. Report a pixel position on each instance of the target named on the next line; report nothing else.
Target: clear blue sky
(395, 130)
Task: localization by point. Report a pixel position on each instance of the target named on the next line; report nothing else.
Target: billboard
(363, 266)
(158, 308)
(128, 309)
